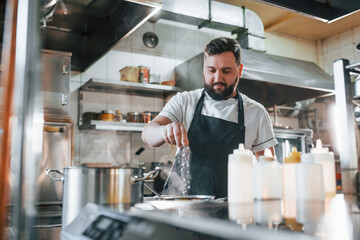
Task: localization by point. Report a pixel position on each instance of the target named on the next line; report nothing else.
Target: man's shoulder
(192, 95)
(250, 103)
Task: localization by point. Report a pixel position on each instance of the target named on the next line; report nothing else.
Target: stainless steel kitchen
(134, 119)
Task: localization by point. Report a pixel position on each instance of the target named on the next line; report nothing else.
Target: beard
(218, 94)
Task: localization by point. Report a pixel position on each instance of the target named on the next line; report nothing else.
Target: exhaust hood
(89, 28)
(268, 79)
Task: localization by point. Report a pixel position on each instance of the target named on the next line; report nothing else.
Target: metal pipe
(347, 125)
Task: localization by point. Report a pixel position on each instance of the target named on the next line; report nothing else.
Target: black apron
(211, 141)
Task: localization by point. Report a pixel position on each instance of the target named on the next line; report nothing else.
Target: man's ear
(240, 70)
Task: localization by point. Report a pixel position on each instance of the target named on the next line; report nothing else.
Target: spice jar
(118, 115)
(132, 117)
(145, 117)
(107, 115)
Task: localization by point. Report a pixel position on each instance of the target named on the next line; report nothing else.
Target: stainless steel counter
(336, 218)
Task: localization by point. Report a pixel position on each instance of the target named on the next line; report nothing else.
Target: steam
(178, 181)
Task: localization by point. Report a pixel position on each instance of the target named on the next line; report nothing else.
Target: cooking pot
(100, 185)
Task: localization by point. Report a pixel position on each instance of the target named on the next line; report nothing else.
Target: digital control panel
(105, 228)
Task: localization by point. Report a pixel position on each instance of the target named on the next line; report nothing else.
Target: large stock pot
(101, 185)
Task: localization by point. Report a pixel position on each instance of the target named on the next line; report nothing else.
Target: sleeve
(265, 136)
(173, 109)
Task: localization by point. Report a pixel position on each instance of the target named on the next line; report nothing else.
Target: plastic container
(240, 179)
(267, 177)
(309, 182)
(326, 159)
(289, 183)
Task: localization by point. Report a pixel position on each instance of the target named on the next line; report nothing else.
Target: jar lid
(118, 111)
(108, 111)
(146, 113)
(133, 113)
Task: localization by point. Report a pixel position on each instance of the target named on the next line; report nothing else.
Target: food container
(154, 78)
(143, 74)
(145, 117)
(130, 74)
(107, 115)
(168, 83)
(132, 117)
(118, 115)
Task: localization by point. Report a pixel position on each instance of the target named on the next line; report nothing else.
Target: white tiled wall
(291, 47)
(341, 46)
(177, 43)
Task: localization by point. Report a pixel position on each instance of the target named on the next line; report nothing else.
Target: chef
(213, 120)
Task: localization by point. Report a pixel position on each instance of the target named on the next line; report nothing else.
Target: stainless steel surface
(56, 81)
(110, 185)
(141, 89)
(268, 74)
(288, 138)
(91, 28)
(322, 10)
(121, 87)
(27, 117)
(114, 126)
(185, 198)
(345, 114)
(216, 15)
(57, 147)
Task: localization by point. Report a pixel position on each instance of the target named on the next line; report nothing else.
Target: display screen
(105, 228)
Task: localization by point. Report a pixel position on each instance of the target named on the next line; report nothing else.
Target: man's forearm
(151, 135)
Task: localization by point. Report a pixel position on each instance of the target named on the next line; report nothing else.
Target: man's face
(221, 75)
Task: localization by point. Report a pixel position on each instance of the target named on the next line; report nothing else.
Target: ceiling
(276, 19)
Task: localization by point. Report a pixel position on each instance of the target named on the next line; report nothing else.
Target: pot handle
(49, 171)
(151, 175)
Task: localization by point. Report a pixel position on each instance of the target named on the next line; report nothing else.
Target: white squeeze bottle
(267, 177)
(240, 176)
(326, 159)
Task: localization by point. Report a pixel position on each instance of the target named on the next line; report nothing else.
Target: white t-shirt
(259, 133)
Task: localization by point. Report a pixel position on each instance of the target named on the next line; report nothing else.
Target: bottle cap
(242, 150)
(293, 157)
(267, 156)
(319, 148)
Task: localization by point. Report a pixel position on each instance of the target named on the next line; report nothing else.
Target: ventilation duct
(217, 15)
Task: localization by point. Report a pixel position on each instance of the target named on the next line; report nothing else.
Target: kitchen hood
(268, 79)
(90, 28)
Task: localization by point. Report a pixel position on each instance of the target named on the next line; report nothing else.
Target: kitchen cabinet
(121, 87)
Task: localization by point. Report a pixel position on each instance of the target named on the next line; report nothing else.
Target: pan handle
(49, 171)
(151, 175)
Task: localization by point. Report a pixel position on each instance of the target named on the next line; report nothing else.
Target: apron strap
(240, 112)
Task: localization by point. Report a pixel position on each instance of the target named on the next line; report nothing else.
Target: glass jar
(118, 115)
(132, 117)
(107, 115)
(145, 117)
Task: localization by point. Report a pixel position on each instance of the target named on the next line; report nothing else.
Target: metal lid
(133, 113)
(108, 111)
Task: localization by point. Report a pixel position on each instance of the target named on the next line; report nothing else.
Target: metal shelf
(151, 90)
(113, 126)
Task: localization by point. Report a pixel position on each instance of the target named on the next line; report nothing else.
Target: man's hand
(175, 133)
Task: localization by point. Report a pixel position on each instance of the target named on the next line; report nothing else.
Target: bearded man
(213, 120)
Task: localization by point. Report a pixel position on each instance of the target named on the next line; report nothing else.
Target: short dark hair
(223, 44)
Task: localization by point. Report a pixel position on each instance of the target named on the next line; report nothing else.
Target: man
(213, 120)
